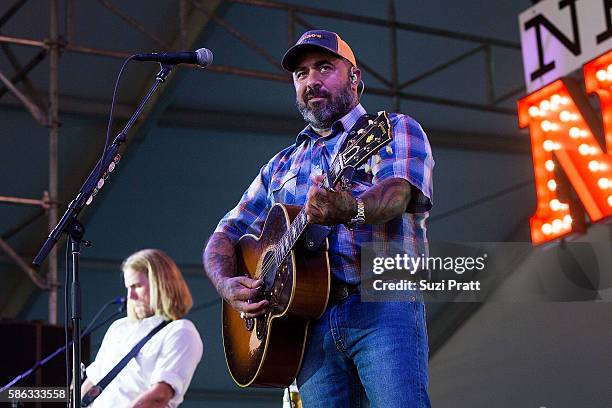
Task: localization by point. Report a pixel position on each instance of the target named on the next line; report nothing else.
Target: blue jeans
(376, 347)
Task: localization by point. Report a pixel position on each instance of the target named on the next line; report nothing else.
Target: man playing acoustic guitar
(376, 347)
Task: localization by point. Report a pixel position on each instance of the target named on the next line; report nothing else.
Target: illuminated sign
(559, 36)
(564, 133)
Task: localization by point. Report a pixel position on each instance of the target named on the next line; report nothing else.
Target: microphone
(202, 57)
(119, 300)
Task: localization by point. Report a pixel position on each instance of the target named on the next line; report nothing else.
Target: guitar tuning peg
(389, 149)
(377, 159)
(370, 138)
(380, 113)
(367, 168)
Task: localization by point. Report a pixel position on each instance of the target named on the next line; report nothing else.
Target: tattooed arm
(383, 202)
(220, 267)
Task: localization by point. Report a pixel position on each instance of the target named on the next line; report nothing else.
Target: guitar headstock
(367, 141)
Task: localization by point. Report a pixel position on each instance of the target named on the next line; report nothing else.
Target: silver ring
(242, 315)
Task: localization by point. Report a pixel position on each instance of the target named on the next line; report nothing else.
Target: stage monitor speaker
(24, 343)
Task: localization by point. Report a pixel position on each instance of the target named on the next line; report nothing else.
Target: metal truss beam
(164, 96)
(188, 35)
(391, 87)
(44, 203)
(34, 110)
(11, 11)
(22, 73)
(21, 226)
(440, 67)
(237, 34)
(131, 21)
(53, 125)
(23, 265)
(254, 123)
(224, 69)
(379, 22)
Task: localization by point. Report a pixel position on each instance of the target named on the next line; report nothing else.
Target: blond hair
(169, 295)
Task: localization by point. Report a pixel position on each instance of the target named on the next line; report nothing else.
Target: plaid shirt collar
(345, 123)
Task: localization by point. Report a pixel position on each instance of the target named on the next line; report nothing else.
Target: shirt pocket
(284, 189)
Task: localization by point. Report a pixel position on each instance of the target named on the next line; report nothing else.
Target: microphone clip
(163, 72)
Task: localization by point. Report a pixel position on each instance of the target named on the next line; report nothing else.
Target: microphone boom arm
(68, 220)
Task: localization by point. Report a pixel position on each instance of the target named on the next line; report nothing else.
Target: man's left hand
(327, 207)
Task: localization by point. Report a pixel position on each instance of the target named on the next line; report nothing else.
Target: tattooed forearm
(386, 200)
(242, 293)
(219, 259)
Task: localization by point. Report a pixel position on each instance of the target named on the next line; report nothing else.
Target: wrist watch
(359, 218)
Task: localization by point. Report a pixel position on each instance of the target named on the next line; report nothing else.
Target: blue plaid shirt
(286, 179)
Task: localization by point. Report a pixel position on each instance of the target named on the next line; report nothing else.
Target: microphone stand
(70, 225)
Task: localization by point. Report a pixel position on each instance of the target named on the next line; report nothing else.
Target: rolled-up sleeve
(409, 157)
(178, 358)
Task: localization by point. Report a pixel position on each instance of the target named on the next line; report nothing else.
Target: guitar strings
(269, 265)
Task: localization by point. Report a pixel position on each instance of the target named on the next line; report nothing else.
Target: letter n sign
(563, 132)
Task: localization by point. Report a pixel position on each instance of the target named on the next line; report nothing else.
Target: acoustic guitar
(267, 351)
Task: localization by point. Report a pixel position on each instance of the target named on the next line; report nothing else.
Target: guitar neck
(300, 222)
(289, 239)
(363, 145)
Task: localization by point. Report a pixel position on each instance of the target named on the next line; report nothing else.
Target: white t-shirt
(171, 356)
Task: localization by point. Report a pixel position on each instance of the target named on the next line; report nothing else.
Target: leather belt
(339, 291)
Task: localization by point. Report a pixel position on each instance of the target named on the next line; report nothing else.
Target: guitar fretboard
(299, 224)
(360, 148)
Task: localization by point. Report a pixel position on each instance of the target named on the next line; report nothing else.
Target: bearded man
(376, 347)
(160, 373)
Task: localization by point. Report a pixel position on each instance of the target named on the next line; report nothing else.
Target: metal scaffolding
(192, 15)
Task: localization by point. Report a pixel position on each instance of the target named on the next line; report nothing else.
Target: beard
(323, 114)
(138, 310)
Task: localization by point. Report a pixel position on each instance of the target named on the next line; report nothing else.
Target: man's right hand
(243, 294)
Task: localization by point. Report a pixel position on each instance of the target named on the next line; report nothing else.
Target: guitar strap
(315, 234)
(97, 389)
